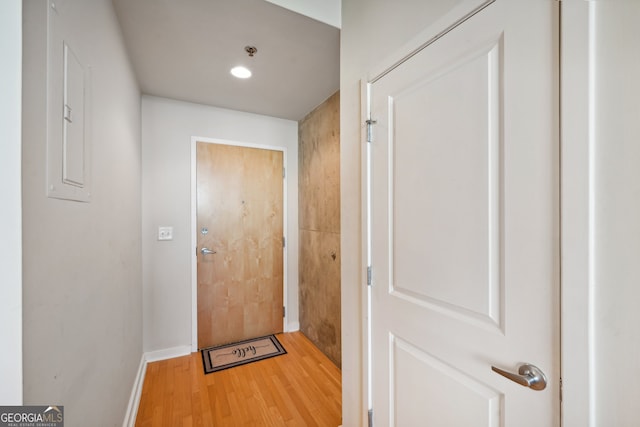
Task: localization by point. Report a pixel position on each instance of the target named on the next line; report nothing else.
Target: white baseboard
(136, 392)
(293, 326)
(134, 400)
(167, 353)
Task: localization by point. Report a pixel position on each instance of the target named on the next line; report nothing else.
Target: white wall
(601, 212)
(616, 171)
(11, 207)
(167, 128)
(327, 11)
(82, 261)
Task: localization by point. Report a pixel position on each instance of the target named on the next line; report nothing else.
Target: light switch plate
(165, 233)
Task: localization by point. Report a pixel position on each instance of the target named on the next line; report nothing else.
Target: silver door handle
(207, 251)
(529, 376)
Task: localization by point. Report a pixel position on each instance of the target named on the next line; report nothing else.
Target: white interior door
(464, 224)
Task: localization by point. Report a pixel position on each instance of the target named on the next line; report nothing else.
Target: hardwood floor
(300, 388)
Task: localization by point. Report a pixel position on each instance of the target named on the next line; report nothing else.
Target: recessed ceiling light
(241, 72)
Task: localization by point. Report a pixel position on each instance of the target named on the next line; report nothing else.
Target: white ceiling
(185, 49)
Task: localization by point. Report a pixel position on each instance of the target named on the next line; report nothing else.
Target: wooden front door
(465, 214)
(240, 220)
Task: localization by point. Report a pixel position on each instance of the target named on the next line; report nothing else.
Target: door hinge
(560, 389)
(284, 172)
(370, 124)
(370, 417)
(284, 242)
(284, 311)
(369, 274)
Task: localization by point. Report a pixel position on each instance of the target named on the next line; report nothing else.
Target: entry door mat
(240, 353)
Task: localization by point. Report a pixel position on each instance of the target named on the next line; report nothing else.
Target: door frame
(578, 83)
(194, 226)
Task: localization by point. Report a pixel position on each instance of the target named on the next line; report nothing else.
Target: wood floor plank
(300, 388)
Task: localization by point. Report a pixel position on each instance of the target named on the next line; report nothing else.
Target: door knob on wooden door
(528, 376)
(207, 251)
